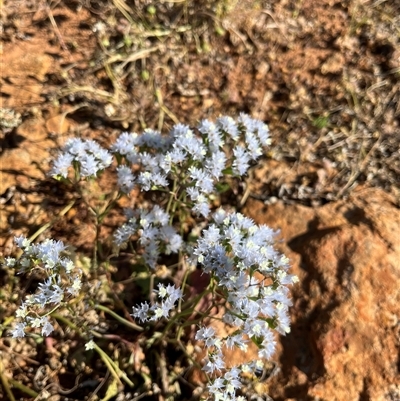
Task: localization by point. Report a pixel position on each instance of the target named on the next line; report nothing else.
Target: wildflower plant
(185, 170)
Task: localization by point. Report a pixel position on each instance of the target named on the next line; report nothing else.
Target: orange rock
(345, 331)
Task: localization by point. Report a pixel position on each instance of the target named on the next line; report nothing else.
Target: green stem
(185, 312)
(171, 197)
(108, 363)
(95, 249)
(114, 369)
(4, 382)
(182, 286)
(67, 322)
(110, 205)
(52, 311)
(119, 318)
(23, 388)
(151, 290)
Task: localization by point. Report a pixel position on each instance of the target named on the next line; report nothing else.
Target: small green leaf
(320, 122)
(227, 171)
(222, 187)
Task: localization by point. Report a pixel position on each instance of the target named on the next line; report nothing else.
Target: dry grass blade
(56, 30)
(110, 97)
(131, 57)
(124, 9)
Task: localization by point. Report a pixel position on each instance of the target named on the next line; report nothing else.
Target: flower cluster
(63, 281)
(253, 277)
(184, 166)
(196, 161)
(156, 236)
(87, 155)
(168, 296)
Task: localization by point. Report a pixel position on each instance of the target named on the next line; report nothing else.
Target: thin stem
(151, 290)
(117, 195)
(114, 337)
(171, 198)
(5, 384)
(186, 311)
(67, 322)
(108, 362)
(119, 318)
(114, 369)
(52, 311)
(183, 289)
(95, 248)
(23, 388)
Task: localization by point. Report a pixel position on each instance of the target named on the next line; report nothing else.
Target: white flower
(228, 125)
(216, 385)
(232, 381)
(68, 265)
(162, 291)
(90, 345)
(35, 322)
(22, 311)
(205, 333)
(216, 164)
(159, 312)
(10, 262)
(75, 287)
(214, 362)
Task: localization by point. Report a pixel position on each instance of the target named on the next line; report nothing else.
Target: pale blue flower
(19, 330)
(75, 147)
(125, 143)
(104, 159)
(216, 164)
(241, 162)
(141, 312)
(227, 124)
(89, 165)
(201, 206)
(152, 139)
(61, 165)
(47, 327)
(126, 180)
(123, 233)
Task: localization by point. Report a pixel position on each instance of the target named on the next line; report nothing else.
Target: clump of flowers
(185, 169)
(156, 236)
(168, 296)
(86, 156)
(188, 163)
(253, 278)
(63, 282)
